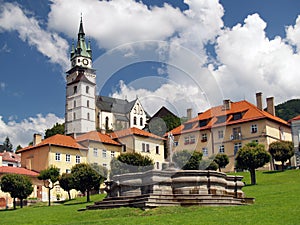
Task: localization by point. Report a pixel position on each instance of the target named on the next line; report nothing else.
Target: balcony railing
(236, 136)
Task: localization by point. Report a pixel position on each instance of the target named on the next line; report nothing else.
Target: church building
(85, 110)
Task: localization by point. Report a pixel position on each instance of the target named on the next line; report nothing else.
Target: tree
(221, 160)
(19, 186)
(187, 160)
(131, 163)
(85, 178)
(56, 129)
(7, 145)
(50, 176)
(18, 147)
(66, 182)
(281, 151)
(251, 157)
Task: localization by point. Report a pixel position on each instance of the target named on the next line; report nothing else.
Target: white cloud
(2, 86)
(21, 133)
(251, 62)
(51, 45)
(5, 48)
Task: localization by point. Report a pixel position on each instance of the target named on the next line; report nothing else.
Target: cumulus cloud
(251, 62)
(21, 133)
(2, 86)
(50, 44)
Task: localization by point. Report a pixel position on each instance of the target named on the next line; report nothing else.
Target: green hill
(288, 109)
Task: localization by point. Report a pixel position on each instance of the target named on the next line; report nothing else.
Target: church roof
(114, 105)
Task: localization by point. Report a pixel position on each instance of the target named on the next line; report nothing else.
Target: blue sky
(225, 49)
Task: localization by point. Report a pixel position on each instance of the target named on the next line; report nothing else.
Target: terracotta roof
(17, 170)
(239, 112)
(57, 140)
(10, 157)
(97, 136)
(134, 131)
(295, 118)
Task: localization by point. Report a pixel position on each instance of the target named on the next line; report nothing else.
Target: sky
(177, 53)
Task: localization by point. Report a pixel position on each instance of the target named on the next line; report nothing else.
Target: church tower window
(74, 104)
(87, 89)
(134, 120)
(141, 121)
(88, 103)
(106, 123)
(75, 89)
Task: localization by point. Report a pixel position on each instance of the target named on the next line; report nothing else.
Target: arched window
(88, 103)
(141, 121)
(106, 123)
(87, 88)
(134, 120)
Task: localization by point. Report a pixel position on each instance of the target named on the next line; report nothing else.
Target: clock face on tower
(85, 62)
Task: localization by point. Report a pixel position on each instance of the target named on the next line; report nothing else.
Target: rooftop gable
(98, 137)
(134, 131)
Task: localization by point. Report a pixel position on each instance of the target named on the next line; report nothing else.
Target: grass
(277, 202)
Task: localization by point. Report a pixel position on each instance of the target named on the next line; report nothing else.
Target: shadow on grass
(273, 171)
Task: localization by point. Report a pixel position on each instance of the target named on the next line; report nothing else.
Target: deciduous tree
(251, 157)
(18, 186)
(187, 160)
(281, 151)
(85, 178)
(66, 182)
(221, 160)
(56, 129)
(50, 176)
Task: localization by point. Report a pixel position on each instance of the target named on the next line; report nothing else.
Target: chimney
(37, 138)
(102, 131)
(189, 113)
(259, 100)
(226, 104)
(270, 106)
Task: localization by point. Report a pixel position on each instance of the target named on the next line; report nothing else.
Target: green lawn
(277, 197)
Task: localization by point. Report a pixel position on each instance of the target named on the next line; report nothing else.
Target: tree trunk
(253, 176)
(15, 203)
(69, 194)
(220, 169)
(21, 203)
(282, 165)
(88, 196)
(49, 196)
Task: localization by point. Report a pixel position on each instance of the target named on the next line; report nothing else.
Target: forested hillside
(288, 110)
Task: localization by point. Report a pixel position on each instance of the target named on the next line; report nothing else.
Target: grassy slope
(277, 201)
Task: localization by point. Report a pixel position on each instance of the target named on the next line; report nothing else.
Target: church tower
(81, 88)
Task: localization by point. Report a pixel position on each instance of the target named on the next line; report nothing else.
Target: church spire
(81, 47)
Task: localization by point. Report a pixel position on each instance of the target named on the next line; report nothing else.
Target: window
(204, 137)
(237, 116)
(106, 123)
(237, 146)
(112, 154)
(68, 158)
(205, 151)
(143, 147)
(74, 116)
(192, 139)
(68, 171)
(134, 120)
(236, 134)
(74, 103)
(141, 121)
(103, 153)
(147, 148)
(88, 103)
(186, 140)
(95, 152)
(88, 116)
(57, 156)
(104, 165)
(253, 128)
(87, 88)
(203, 123)
(221, 134)
(77, 159)
(75, 89)
(157, 149)
(221, 149)
(157, 165)
(188, 126)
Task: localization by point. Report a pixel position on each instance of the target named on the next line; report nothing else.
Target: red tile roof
(295, 118)
(134, 131)
(57, 140)
(17, 170)
(248, 112)
(97, 136)
(10, 157)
